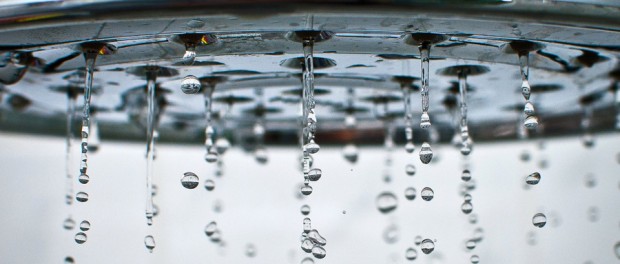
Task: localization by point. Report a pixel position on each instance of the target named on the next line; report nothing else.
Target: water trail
(90, 58)
(151, 77)
(71, 102)
(425, 49)
(586, 122)
(531, 121)
(409, 146)
(211, 155)
(465, 140)
(308, 118)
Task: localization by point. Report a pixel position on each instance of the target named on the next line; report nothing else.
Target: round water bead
(417, 240)
(149, 243)
(211, 157)
(470, 244)
(189, 180)
(425, 120)
(466, 175)
(410, 169)
(411, 254)
(68, 224)
(190, 85)
(427, 194)
(467, 207)
(409, 147)
(318, 252)
(539, 220)
(222, 145)
(83, 178)
(306, 190)
(211, 228)
(350, 153)
(427, 246)
(528, 109)
(307, 260)
(315, 174)
(80, 238)
(533, 178)
(410, 193)
(261, 156)
(306, 245)
(386, 202)
(426, 153)
(473, 218)
(474, 259)
(209, 185)
(69, 260)
(81, 197)
(250, 250)
(312, 147)
(531, 122)
(85, 225)
(305, 209)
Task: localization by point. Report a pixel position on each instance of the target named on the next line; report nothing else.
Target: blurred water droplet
(590, 180)
(68, 224)
(149, 243)
(307, 261)
(470, 244)
(80, 238)
(425, 120)
(593, 213)
(417, 240)
(426, 153)
(316, 238)
(306, 245)
(211, 228)
(525, 156)
(83, 178)
(188, 57)
(467, 207)
(69, 260)
(539, 220)
(587, 139)
(81, 197)
(410, 193)
(473, 219)
(427, 246)
(190, 180)
(386, 202)
(474, 259)
(427, 194)
(222, 145)
(318, 252)
(529, 108)
(350, 153)
(531, 122)
(250, 250)
(307, 225)
(466, 175)
(467, 197)
(312, 147)
(411, 254)
(531, 238)
(409, 147)
(410, 169)
(85, 225)
(211, 157)
(391, 234)
(478, 234)
(617, 249)
(533, 178)
(190, 85)
(306, 190)
(216, 237)
(305, 209)
(315, 174)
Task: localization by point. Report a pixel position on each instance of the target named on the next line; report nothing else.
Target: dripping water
(466, 144)
(151, 77)
(531, 121)
(211, 155)
(425, 48)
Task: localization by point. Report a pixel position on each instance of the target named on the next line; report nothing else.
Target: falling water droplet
(80, 238)
(188, 57)
(211, 157)
(85, 225)
(190, 180)
(350, 153)
(531, 122)
(410, 193)
(587, 139)
(425, 121)
(391, 234)
(467, 207)
(69, 260)
(318, 252)
(81, 197)
(411, 254)
(306, 190)
(617, 249)
(209, 185)
(306, 245)
(427, 246)
(473, 219)
(525, 156)
(307, 260)
(470, 244)
(417, 240)
(539, 220)
(250, 250)
(222, 145)
(305, 209)
(312, 147)
(466, 175)
(474, 259)
(426, 153)
(216, 237)
(590, 180)
(210, 228)
(467, 197)
(410, 169)
(307, 224)
(261, 156)
(478, 234)
(68, 224)
(425, 49)
(386, 202)
(409, 147)
(83, 178)
(190, 85)
(528, 109)
(427, 194)
(90, 57)
(533, 178)
(149, 243)
(315, 174)
(593, 213)
(316, 238)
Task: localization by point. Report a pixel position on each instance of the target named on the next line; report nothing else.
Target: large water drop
(427, 246)
(149, 243)
(533, 178)
(190, 180)
(386, 202)
(85, 225)
(410, 193)
(427, 194)
(426, 153)
(190, 85)
(316, 238)
(539, 220)
(80, 238)
(467, 207)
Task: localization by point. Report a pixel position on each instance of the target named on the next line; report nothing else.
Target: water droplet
(386, 202)
(318, 252)
(216, 237)
(190, 85)
(474, 259)
(478, 234)
(539, 220)
(473, 219)
(410, 169)
(80, 238)
(467, 207)
(312, 147)
(466, 175)
(306, 190)
(81, 197)
(211, 228)
(316, 238)
(427, 194)
(425, 121)
(617, 249)
(525, 89)
(305, 209)
(529, 108)
(68, 224)
(410, 193)
(411, 254)
(307, 260)
(222, 145)
(587, 139)
(350, 153)
(533, 178)
(409, 147)
(531, 238)
(470, 244)
(189, 180)
(315, 174)
(83, 178)
(427, 246)
(467, 197)
(593, 214)
(307, 224)
(531, 122)
(188, 57)
(261, 156)
(417, 240)
(149, 243)
(211, 157)
(306, 245)
(590, 180)
(391, 234)
(69, 260)
(85, 225)
(426, 153)
(209, 185)
(250, 250)
(525, 156)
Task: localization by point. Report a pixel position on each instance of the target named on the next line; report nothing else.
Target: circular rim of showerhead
(592, 98)
(98, 47)
(404, 80)
(212, 79)
(521, 46)
(382, 99)
(544, 88)
(420, 38)
(468, 69)
(143, 70)
(262, 110)
(297, 63)
(299, 91)
(352, 109)
(195, 38)
(233, 99)
(198, 63)
(314, 35)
